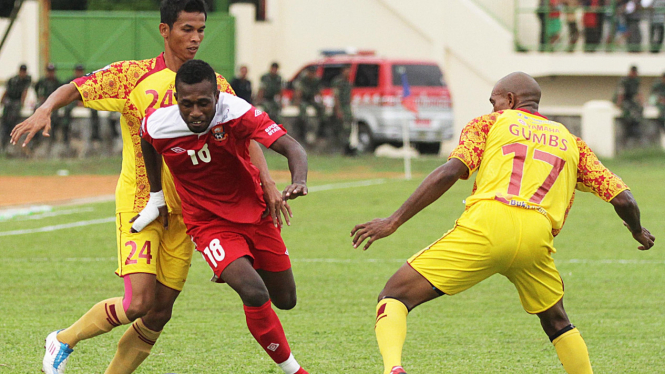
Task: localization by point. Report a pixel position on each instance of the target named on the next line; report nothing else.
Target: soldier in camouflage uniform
(45, 87)
(308, 93)
(12, 100)
(343, 113)
(628, 99)
(658, 95)
(270, 93)
(66, 121)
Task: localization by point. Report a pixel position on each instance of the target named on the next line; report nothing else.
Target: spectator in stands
(658, 98)
(656, 23)
(241, 85)
(593, 23)
(549, 14)
(629, 100)
(12, 101)
(633, 12)
(79, 71)
(570, 11)
(617, 23)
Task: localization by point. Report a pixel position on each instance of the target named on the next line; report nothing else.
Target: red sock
(264, 325)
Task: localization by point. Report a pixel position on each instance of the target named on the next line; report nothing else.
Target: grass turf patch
(613, 292)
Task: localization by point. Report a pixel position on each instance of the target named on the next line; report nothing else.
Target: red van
(377, 98)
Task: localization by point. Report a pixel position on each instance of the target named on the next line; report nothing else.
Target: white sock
(290, 366)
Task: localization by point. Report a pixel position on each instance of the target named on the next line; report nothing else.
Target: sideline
(324, 187)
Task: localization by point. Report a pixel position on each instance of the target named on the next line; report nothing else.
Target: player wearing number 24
(204, 141)
(528, 169)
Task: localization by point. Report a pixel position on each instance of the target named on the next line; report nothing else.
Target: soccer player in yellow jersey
(152, 261)
(528, 168)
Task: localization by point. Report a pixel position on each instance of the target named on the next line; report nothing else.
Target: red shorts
(221, 242)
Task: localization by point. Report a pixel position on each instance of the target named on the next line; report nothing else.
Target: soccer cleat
(397, 370)
(56, 355)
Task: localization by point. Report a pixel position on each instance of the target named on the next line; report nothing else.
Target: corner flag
(408, 101)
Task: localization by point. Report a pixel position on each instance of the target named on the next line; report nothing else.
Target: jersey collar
(534, 113)
(160, 62)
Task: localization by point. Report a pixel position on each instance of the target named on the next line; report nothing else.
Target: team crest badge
(219, 133)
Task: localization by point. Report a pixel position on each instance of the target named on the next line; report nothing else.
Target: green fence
(96, 39)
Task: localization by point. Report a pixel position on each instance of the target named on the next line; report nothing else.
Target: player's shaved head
(514, 91)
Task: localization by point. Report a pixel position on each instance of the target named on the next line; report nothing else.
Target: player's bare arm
(41, 119)
(275, 205)
(294, 152)
(156, 206)
(435, 185)
(626, 208)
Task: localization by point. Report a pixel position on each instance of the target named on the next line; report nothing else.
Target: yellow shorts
(489, 238)
(154, 250)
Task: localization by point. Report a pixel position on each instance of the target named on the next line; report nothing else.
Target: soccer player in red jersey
(204, 141)
(528, 169)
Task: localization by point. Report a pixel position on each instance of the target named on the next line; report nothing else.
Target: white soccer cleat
(397, 370)
(56, 355)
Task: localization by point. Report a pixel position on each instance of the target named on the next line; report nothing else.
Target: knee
(389, 293)
(139, 306)
(157, 318)
(254, 296)
(287, 302)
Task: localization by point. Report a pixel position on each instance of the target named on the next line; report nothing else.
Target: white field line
(343, 260)
(58, 227)
(339, 186)
(325, 187)
(55, 214)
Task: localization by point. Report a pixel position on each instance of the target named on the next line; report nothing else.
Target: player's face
(197, 104)
(186, 35)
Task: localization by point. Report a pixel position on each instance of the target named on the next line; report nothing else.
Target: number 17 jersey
(527, 161)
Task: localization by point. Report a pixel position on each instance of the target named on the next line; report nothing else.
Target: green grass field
(614, 293)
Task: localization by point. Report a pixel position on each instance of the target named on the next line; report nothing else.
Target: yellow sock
(133, 348)
(390, 331)
(573, 353)
(101, 318)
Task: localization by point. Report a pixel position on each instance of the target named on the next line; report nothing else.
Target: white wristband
(150, 212)
(157, 198)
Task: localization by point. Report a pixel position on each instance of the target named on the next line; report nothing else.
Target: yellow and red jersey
(525, 160)
(131, 88)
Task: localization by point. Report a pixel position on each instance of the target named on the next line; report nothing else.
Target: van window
(367, 75)
(330, 72)
(418, 75)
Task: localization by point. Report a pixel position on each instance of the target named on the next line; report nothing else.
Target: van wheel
(365, 139)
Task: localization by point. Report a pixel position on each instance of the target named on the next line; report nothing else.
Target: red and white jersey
(212, 170)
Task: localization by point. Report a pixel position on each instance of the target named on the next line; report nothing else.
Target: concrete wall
(23, 43)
